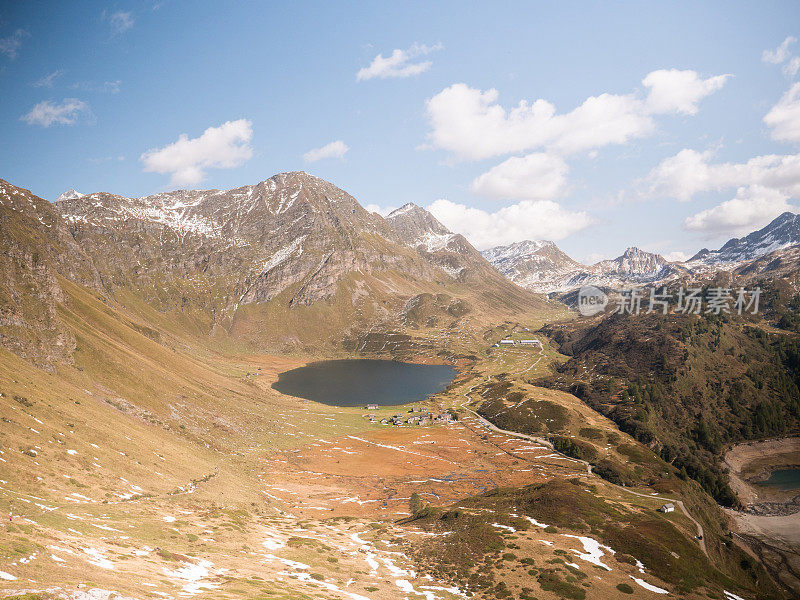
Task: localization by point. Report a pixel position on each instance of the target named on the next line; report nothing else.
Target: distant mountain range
(295, 262)
(541, 266)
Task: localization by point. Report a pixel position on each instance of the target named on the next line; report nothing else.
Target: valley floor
(244, 493)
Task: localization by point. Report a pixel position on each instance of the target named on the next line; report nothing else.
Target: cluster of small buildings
(509, 342)
(415, 416)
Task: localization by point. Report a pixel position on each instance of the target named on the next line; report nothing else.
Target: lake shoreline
(350, 382)
(752, 462)
(769, 512)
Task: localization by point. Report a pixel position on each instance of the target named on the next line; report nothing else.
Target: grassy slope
(688, 386)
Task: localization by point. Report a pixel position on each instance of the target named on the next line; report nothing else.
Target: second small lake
(783, 479)
(358, 382)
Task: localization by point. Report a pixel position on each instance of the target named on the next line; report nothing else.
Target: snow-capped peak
(782, 232)
(70, 195)
(402, 210)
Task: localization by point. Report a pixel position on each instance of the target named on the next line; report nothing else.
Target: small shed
(667, 508)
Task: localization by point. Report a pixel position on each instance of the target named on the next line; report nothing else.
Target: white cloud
(222, 147)
(676, 256)
(595, 257)
(752, 208)
(529, 219)
(690, 172)
(784, 117)
(780, 54)
(471, 124)
(10, 45)
(335, 149)
(792, 66)
(674, 91)
(537, 176)
(398, 64)
(107, 87)
(119, 21)
(764, 185)
(382, 211)
(47, 80)
(48, 113)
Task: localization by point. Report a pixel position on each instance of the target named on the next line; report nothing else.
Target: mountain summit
(69, 195)
(536, 265)
(634, 262)
(450, 251)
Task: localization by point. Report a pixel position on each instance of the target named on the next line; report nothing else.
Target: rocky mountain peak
(416, 226)
(634, 261)
(517, 250)
(70, 194)
(538, 265)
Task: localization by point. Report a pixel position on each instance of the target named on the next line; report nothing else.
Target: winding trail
(701, 538)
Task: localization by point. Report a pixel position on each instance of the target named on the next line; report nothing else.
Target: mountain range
(292, 262)
(541, 266)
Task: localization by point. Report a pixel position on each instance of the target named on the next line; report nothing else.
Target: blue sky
(670, 126)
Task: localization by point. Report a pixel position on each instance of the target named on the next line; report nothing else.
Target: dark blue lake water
(358, 382)
(783, 479)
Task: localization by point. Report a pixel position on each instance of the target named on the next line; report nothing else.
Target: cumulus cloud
(119, 21)
(399, 63)
(529, 219)
(674, 91)
(690, 172)
(47, 113)
(381, 210)
(472, 125)
(537, 176)
(186, 160)
(48, 80)
(784, 117)
(780, 54)
(752, 208)
(11, 44)
(335, 149)
(764, 185)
